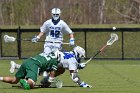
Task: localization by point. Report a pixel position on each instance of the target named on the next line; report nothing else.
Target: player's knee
(75, 77)
(14, 80)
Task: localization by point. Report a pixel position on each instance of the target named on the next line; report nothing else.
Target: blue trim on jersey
(68, 55)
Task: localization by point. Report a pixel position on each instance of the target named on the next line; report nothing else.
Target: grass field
(110, 76)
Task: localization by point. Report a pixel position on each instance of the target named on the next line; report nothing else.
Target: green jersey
(47, 63)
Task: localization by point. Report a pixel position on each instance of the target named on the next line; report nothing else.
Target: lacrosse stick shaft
(42, 41)
(114, 37)
(103, 48)
(20, 86)
(96, 53)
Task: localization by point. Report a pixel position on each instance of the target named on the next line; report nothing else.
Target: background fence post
(0, 44)
(86, 42)
(19, 42)
(122, 46)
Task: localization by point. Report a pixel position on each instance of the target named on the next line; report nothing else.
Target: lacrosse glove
(35, 39)
(71, 41)
(83, 84)
(81, 65)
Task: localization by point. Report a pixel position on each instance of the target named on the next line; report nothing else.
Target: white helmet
(79, 52)
(56, 13)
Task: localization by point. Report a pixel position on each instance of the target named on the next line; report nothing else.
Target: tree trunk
(1, 15)
(101, 11)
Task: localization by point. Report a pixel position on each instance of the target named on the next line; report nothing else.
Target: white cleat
(13, 66)
(84, 85)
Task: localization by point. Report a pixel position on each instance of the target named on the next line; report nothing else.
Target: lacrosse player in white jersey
(54, 29)
(70, 61)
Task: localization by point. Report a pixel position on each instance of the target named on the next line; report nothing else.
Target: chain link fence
(91, 39)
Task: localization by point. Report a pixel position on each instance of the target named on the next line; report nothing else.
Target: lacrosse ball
(114, 28)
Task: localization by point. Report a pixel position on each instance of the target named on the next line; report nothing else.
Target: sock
(1, 78)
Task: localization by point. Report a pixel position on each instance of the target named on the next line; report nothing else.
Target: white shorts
(70, 64)
(51, 46)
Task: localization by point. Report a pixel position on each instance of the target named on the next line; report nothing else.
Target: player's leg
(74, 74)
(47, 48)
(56, 46)
(32, 71)
(8, 79)
(75, 77)
(27, 83)
(28, 72)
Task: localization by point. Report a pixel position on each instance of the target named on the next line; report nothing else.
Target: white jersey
(55, 32)
(68, 61)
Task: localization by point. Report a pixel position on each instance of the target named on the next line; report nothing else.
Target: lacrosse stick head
(9, 38)
(57, 83)
(114, 37)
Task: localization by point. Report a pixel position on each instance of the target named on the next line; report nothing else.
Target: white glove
(35, 39)
(71, 41)
(51, 79)
(82, 65)
(83, 84)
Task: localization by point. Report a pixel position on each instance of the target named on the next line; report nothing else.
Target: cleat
(84, 85)
(13, 66)
(24, 84)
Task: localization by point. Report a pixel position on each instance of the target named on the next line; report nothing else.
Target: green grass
(108, 76)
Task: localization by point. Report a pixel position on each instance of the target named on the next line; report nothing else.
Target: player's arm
(52, 76)
(67, 29)
(53, 69)
(35, 39)
(43, 30)
(40, 35)
(71, 39)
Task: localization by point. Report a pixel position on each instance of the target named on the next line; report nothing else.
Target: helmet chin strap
(55, 22)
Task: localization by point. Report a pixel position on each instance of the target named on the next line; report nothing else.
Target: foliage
(35, 12)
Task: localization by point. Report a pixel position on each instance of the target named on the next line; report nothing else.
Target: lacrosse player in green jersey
(28, 72)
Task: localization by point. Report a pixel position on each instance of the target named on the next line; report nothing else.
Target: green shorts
(28, 70)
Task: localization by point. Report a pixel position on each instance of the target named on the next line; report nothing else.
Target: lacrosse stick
(37, 85)
(8, 39)
(56, 84)
(114, 37)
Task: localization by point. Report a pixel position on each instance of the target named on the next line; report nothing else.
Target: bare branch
(138, 1)
(126, 16)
